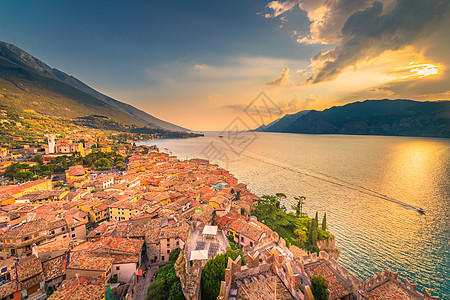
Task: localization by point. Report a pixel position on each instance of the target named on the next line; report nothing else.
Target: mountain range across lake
(371, 117)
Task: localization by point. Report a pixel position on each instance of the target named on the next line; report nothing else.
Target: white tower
(51, 143)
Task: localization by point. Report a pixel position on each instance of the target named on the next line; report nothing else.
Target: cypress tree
(316, 219)
(310, 230)
(324, 222)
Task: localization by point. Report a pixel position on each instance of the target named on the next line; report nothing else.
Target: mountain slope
(283, 123)
(20, 72)
(374, 117)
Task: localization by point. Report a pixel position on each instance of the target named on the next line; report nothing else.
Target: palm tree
(299, 206)
(279, 196)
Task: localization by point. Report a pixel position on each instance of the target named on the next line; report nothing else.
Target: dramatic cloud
(368, 33)
(279, 8)
(327, 19)
(282, 80)
(362, 30)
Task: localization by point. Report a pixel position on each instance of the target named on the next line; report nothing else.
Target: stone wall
(350, 282)
(381, 278)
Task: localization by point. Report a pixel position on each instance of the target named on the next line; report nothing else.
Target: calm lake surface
(369, 186)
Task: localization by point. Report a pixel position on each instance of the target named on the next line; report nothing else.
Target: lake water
(369, 186)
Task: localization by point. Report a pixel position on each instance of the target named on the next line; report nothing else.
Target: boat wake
(332, 180)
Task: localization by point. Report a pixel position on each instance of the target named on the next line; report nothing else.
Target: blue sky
(194, 63)
(130, 37)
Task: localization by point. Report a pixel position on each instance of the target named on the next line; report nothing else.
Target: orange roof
(15, 189)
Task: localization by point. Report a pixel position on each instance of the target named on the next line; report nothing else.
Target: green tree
(176, 292)
(279, 197)
(231, 237)
(120, 166)
(119, 158)
(102, 164)
(299, 206)
(324, 222)
(157, 290)
(316, 220)
(319, 288)
(166, 285)
(174, 255)
(214, 273)
(38, 159)
(12, 170)
(301, 236)
(24, 175)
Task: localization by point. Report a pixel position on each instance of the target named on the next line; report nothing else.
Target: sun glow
(421, 70)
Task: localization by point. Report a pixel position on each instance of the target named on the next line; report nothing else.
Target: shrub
(319, 288)
(214, 273)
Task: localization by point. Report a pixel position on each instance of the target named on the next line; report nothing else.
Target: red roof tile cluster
(81, 288)
(91, 261)
(55, 267)
(390, 290)
(124, 245)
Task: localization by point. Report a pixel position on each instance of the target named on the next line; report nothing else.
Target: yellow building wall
(44, 186)
(115, 214)
(80, 184)
(105, 149)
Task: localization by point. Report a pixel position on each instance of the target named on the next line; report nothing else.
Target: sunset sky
(198, 64)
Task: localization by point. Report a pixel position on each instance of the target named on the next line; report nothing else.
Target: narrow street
(143, 283)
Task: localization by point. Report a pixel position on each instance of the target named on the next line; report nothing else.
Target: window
(117, 268)
(168, 245)
(162, 258)
(251, 244)
(168, 251)
(242, 239)
(72, 229)
(178, 243)
(73, 235)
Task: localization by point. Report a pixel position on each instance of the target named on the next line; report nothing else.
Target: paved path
(142, 285)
